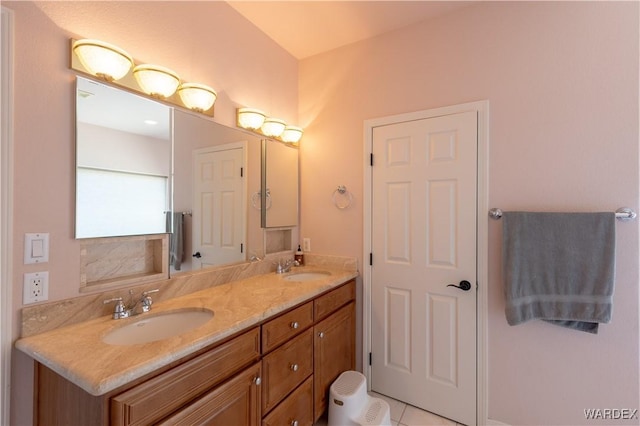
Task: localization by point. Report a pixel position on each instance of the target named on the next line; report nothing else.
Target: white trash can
(350, 405)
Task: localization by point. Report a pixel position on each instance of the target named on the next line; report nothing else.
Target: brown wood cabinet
(236, 402)
(333, 353)
(278, 373)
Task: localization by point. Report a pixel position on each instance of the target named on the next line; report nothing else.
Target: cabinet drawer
(284, 327)
(331, 301)
(285, 368)
(161, 395)
(297, 407)
(236, 402)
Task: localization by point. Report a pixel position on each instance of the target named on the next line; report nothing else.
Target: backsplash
(48, 316)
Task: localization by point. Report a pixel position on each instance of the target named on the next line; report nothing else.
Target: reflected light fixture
(291, 134)
(102, 59)
(250, 118)
(157, 81)
(197, 97)
(273, 127)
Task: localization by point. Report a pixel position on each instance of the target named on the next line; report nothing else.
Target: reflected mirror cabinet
(159, 175)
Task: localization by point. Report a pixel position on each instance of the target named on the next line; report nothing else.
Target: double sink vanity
(260, 350)
(222, 338)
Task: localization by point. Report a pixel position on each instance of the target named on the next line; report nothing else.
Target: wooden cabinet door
(334, 348)
(158, 397)
(236, 402)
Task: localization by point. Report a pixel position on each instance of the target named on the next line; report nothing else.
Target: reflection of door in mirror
(123, 162)
(196, 134)
(279, 184)
(219, 205)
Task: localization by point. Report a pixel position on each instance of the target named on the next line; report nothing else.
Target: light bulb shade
(250, 118)
(197, 97)
(102, 59)
(291, 134)
(156, 81)
(273, 127)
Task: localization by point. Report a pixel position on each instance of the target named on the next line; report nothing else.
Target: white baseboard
(491, 422)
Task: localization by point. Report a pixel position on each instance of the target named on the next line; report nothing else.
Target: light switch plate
(36, 248)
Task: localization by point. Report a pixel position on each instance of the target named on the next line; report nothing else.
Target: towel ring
(341, 197)
(256, 200)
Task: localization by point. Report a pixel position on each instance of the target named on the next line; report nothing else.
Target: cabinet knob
(257, 380)
(295, 325)
(321, 335)
(294, 367)
(294, 423)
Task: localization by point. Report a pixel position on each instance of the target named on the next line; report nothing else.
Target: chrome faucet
(284, 266)
(120, 310)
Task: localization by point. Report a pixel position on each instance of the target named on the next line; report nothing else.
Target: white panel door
(218, 231)
(423, 329)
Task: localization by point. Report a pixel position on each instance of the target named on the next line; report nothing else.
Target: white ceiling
(306, 28)
(106, 106)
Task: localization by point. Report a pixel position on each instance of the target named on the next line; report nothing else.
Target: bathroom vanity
(268, 362)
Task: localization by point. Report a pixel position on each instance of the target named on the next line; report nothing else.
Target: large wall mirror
(214, 171)
(123, 162)
(279, 190)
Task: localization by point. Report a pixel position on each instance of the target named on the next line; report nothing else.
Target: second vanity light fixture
(257, 121)
(111, 63)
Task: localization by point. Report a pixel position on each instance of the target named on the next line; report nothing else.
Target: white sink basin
(306, 276)
(157, 327)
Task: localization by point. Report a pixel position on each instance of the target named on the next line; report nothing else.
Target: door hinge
(369, 358)
(241, 171)
(241, 247)
(370, 259)
(371, 159)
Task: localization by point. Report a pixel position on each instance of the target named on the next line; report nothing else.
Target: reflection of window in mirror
(123, 162)
(120, 203)
(280, 182)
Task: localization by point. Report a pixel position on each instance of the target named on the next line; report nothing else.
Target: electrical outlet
(306, 244)
(36, 287)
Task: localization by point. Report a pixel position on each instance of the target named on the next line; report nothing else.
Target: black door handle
(197, 255)
(464, 285)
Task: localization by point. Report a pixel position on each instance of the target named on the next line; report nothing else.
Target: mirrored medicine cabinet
(130, 173)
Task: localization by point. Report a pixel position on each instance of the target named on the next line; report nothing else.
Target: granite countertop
(77, 352)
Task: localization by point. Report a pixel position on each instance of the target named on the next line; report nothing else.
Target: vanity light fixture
(102, 59)
(256, 121)
(157, 81)
(112, 64)
(291, 134)
(197, 97)
(250, 118)
(273, 127)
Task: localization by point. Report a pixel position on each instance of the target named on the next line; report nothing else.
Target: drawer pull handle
(321, 335)
(257, 380)
(295, 325)
(294, 367)
(294, 423)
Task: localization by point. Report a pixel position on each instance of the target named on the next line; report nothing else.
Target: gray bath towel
(559, 267)
(176, 239)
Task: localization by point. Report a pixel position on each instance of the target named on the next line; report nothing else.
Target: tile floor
(406, 415)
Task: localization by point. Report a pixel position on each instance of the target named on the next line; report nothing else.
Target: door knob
(197, 255)
(464, 285)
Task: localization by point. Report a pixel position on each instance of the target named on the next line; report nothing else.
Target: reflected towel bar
(623, 213)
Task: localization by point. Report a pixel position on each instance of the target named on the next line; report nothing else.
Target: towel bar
(623, 213)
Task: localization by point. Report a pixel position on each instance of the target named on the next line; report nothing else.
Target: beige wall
(562, 82)
(206, 42)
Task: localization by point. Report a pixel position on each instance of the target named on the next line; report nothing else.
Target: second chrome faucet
(120, 310)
